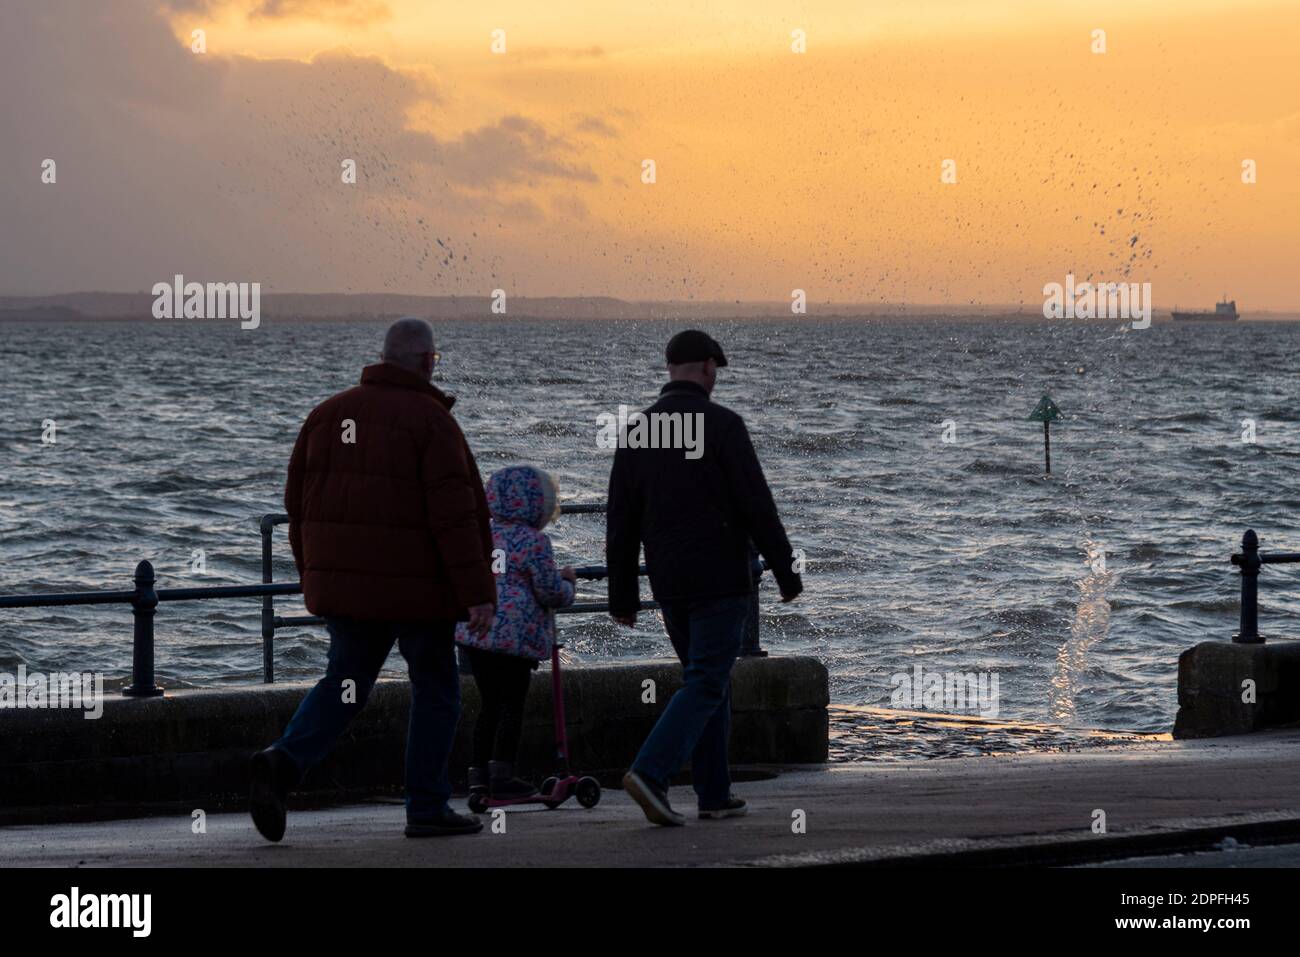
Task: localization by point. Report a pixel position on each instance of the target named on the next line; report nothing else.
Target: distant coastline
(354, 307)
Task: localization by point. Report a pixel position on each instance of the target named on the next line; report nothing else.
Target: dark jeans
(358, 650)
(696, 725)
(502, 682)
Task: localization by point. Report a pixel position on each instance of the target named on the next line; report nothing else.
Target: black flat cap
(693, 346)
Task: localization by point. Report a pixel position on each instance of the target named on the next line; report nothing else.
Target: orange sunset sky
(775, 170)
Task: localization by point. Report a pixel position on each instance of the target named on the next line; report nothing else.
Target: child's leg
(515, 673)
(488, 682)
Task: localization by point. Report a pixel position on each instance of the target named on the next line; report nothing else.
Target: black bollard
(1248, 561)
(144, 604)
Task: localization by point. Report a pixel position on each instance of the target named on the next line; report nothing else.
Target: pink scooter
(562, 785)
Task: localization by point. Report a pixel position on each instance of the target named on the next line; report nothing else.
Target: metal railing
(144, 600)
(1249, 561)
(271, 622)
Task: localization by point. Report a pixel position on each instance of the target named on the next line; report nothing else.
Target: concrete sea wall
(192, 747)
(1227, 688)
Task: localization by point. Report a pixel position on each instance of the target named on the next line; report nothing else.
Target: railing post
(268, 605)
(144, 605)
(1249, 564)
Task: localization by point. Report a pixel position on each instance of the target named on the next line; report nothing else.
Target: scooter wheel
(588, 792)
(477, 804)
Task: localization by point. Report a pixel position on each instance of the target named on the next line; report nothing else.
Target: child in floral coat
(522, 500)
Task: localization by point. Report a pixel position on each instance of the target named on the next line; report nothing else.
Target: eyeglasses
(437, 358)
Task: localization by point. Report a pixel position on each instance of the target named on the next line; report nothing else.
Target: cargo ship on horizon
(1225, 311)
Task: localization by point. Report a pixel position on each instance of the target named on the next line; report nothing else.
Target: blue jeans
(358, 650)
(696, 725)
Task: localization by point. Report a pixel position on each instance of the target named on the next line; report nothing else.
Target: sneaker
(271, 773)
(442, 825)
(732, 807)
(653, 800)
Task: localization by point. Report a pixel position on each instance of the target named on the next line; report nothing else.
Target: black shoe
(441, 825)
(504, 786)
(653, 800)
(271, 773)
(512, 789)
(478, 781)
(732, 807)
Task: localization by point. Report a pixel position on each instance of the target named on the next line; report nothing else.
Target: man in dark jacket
(696, 510)
(389, 529)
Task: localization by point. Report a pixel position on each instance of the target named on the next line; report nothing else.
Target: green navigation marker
(1045, 412)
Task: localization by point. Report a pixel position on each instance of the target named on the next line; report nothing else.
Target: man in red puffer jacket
(390, 532)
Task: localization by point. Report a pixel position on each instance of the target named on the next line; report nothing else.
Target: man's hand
(628, 620)
(568, 574)
(791, 590)
(480, 618)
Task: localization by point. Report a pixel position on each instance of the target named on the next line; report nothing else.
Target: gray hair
(407, 341)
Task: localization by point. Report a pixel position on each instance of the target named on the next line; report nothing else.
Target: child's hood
(524, 494)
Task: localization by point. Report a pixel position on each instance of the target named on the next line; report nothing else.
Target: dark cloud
(514, 149)
(170, 161)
